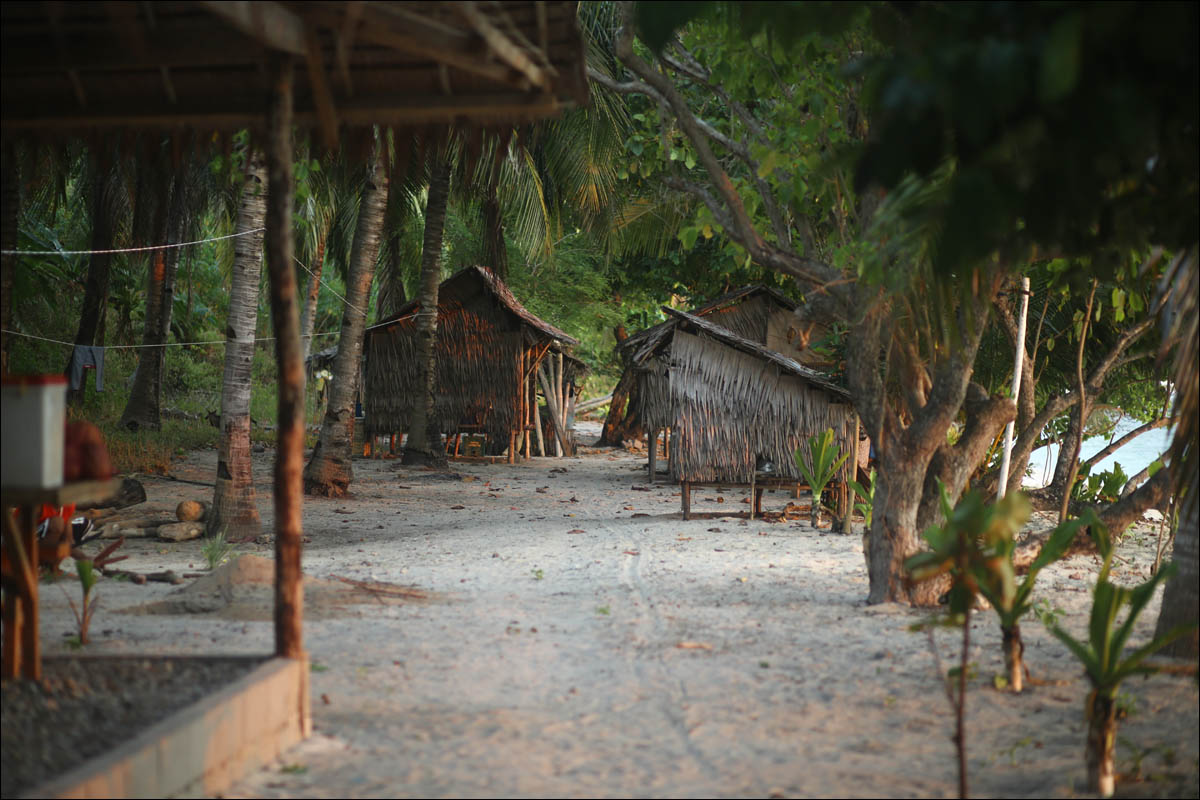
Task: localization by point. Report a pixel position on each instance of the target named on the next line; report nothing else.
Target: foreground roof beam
(503, 46)
(269, 23)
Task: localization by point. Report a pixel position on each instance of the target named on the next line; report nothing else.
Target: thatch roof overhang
(788, 365)
(640, 345)
(71, 67)
(458, 289)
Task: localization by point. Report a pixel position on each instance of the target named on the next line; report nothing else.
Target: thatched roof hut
(489, 349)
(732, 403)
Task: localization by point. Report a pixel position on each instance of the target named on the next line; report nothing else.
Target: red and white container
(32, 420)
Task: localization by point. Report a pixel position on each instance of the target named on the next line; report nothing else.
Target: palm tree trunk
(1180, 603)
(311, 294)
(10, 207)
(234, 509)
(142, 409)
(329, 472)
(495, 254)
(95, 293)
(419, 448)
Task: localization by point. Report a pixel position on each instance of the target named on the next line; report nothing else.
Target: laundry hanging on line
(85, 357)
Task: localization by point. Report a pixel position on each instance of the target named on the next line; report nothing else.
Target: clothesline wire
(327, 286)
(165, 344)
(126, 249)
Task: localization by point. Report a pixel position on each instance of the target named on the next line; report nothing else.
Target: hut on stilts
(492, 356)
(756, 313)
(736, 409)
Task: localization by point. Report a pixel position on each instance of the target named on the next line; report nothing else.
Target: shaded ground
(580, 650)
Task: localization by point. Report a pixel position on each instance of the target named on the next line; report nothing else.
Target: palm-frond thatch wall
(732, 408)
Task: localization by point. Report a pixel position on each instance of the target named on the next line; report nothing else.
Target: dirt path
(586, 641)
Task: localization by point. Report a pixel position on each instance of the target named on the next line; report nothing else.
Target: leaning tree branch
(742, 230)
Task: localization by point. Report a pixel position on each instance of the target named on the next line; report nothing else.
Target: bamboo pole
(552, 407)
(848, 521)
(285, 317)
(537, 419)
(562, 394)
(1018, 364)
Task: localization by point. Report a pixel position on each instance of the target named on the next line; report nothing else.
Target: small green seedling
(538, 574)
(602, 610)
(818, 464)
(87, 581)
(217, 550)
(1104, 659)
(867, 506)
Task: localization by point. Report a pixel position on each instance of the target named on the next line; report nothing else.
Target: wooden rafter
(270, 23)
(322, 96)
(503, 45)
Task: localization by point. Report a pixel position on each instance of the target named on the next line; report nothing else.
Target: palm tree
(329, 471)
(1180, 604)
(142, 409)
(234, 509)
(107, 204)
(419, 447)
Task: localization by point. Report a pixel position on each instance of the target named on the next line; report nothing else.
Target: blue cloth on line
(85, 356)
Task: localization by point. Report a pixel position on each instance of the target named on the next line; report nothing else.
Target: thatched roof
(462, 285)
(735, 310)
(78, 66)
(731, 401)
(790, 365)
(488, 345)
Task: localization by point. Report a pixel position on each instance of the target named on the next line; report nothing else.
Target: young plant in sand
(818, 464)
(87, 580)
(956, 552)
(868, 495)
(217, 550)
(1104, 659)
(996, 577)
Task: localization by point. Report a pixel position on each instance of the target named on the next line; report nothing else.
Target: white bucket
(32, 419)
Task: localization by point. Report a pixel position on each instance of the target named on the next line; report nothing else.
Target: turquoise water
(1133, 457)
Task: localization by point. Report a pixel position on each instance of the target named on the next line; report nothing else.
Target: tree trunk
(10, 212)
(1014, 657)
(142, 409)
(329, 472)
(622, 422)
(311, 294)
(1180, 604)
(390, 280)
(894, 535)
(285, 319)
(234, 508)
(419, 447)
(1101, 742)
(1128, 510)
(95, 294)
(495, 252)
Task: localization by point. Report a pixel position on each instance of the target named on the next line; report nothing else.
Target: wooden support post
(537, 424)
(31, 646)
(757, 502)
(560, 387)
(753, 478)
(848, 520)
(512, 447)
(653, 454)
(685, 498)
(285, 317)
(552, 408)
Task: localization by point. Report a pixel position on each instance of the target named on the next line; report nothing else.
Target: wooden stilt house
(492, 357)
(735, 406)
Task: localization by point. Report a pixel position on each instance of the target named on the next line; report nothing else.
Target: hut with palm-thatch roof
(492, 356)
(734, 406)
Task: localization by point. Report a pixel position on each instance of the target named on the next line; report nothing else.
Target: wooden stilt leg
(758, 495)
(653, 454)
(685, 496)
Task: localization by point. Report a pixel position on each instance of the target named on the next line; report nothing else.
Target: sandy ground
(584, 640)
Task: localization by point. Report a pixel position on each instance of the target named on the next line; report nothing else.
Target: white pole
(1018, 363)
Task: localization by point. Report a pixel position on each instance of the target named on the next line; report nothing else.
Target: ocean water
(1133, 457)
